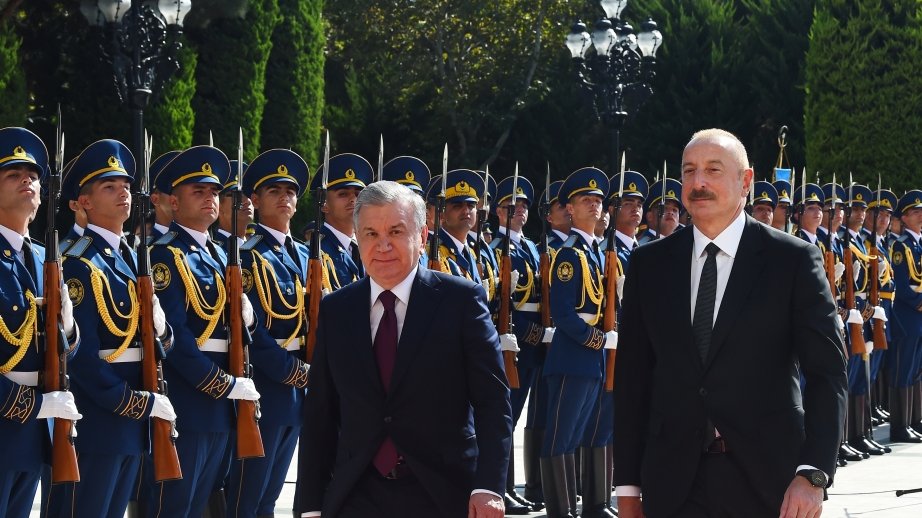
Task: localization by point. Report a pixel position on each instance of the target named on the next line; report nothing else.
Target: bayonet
(444, 172)
(380, 172)
(239, 161)
(486, 192)
(326, 164)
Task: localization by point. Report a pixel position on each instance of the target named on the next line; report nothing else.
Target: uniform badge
(246, 280)
(565, 271)
(160, 274)
(75, 291)
(897, 257)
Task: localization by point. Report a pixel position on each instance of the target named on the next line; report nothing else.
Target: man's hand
(630, 507)
(801, 500)
(485, 505)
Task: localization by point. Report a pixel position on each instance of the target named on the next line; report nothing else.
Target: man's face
(226, 206)
(837, 217)
(912, 219)
(670, 220)
(631, 212)
(276, 202)
(459, 217)
(857, 216)
(585, 211)
(195, 205)
(519, 217)
(602, 224)
(389, 245)
(883, 222)
(763, 212)
(780, 215)
(20, 190)
(107, 202)
(340, 204)
(163, 209)
(811, 218)
(714, 183)
(558, 217)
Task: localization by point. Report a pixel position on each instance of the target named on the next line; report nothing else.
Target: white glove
(621, 287)
(58, 404)
(611, 340)
(67, 312)
(854, 317)
(868, 347)
(548, 334)
(879, 314)
(839, 269)
(514, 278)
(248, 318)
(856, 270)
(508, 342)
(840, 322)
(244, 388)
(881, 267)
(162, 408)
(159, 318)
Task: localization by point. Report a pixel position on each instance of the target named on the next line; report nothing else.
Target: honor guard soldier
(188, 276)
(835, 205)
(223, 230)
(526, 315)
(463, 190)
(100, 271)
(662, 220)
(479, 242)
(574, 366)
(274, 278)
(24, 430)
(906, 349)
(67, 198)
(764, 203)
(876, 226)
(780, 218)
(808, 208)
(412, 172)
(349, 174)
(557, 218)
(630, 214)
(163, 212)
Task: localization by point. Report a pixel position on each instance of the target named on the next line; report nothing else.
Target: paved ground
(862, 489)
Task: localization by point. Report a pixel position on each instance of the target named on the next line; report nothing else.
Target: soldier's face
(459, 217)
(856, 218)
(519, 217)
(585, 211)
(558, 217)
(388, 242)
(781, 214)
(811, 218)
(276, 202)
(763, 212)
(20, 190)
(107, 202)
(714, 183)
(195, 205)
(882, 223)
(340, 203)
(630, 213)
(912, 219)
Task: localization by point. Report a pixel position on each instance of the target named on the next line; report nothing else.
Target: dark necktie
(125, 250)
(212, 251)
(703, 323)
(356, 256)
(385, 353)
(292, 252)
(28, 258)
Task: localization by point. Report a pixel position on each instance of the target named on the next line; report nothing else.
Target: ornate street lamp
(615, 67)
(143, 41)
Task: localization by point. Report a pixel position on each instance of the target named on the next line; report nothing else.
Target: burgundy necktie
(385, 353)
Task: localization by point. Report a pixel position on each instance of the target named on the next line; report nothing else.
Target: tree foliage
(863, 118)
(14, 107)
(170, 118)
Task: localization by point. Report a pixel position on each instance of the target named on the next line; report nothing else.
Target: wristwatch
(816, 477)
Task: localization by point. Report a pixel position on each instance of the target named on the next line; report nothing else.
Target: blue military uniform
(574, 367)
(673, 193)
(24, 439)
(409, 171)
(75, 231)
(883, 201)
(457, 257)
(488, 266)
(188, 277)
(100, 271)
(155, 167)
(785, 196)
(219, 235)
(274, 278)
(555, 238)
(814, 195)
(906, 347)
(342, 265)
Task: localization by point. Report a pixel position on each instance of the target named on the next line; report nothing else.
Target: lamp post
(143, 39)
(614, 67)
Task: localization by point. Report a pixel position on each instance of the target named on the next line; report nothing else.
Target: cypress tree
(170, 119)
(12, 79)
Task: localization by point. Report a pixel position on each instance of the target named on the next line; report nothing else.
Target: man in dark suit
(709, 417)
(408, 409)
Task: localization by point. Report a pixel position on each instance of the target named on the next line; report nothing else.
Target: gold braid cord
(329, 269)
(100, 285)
(261, 279)
(914, 272)
(22, 337)
(865, 260)
(194, 297)
(527, 287)
(490, 275)
(594, 289)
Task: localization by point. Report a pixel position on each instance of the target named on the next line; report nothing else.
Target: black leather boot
(134, 509)
(915, 421)
(514, 506)
(554, 483)
(572, 486)
(899, 415)
(610, 474)
(217, 505)
(595, 493)
(531, 449)
(857, 435)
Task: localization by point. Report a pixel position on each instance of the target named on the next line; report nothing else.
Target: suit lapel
(363, 353)
(747, 264)
(421, 313)
(679, 280)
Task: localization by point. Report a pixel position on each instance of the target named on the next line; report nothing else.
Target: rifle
(504, 318)
(544, 263)
(610, 311)
(163, 432)
(315, 262)
(249, 440)
(855, 330)
(482, 213)
(661, 208)
(434, 262)
(63, 454)
(829, 259)
(878, 335)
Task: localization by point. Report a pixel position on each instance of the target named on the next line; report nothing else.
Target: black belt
(718, 445)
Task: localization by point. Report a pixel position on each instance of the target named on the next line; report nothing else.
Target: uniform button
(387, 419)
(703, 392)
(207, 287)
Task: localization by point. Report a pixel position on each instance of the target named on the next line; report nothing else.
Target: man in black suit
(418, 425)
(709, 417)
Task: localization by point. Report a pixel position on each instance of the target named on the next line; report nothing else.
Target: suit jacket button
(703, 392)
(387, 419)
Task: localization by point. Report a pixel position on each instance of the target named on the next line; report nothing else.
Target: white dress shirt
(344, 240)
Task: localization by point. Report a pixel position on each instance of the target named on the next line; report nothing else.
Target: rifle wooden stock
(544, 267)
(609, 313)
(314, 294)
(878, 335)
(855, 331)
(63, 454)
(504, 318)
(249, 440)
(165, 457)
(829, 262)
